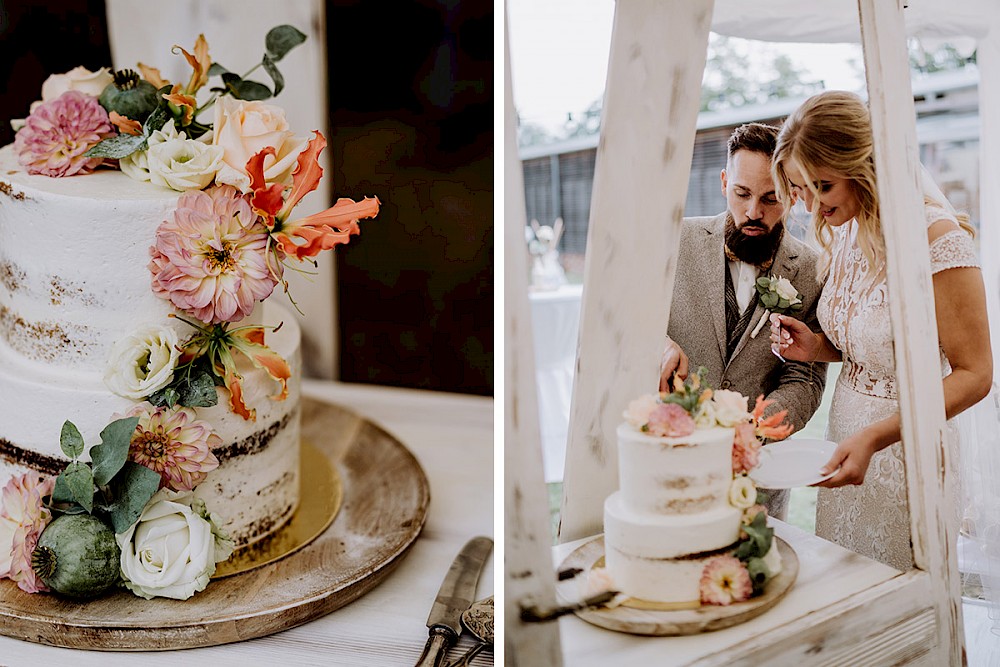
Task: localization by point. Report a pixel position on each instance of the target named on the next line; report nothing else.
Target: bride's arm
(963, 331)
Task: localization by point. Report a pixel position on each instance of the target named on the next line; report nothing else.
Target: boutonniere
(778, 295)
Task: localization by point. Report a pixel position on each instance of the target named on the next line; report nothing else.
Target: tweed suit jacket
(698, 322)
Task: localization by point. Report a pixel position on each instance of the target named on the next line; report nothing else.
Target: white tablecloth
(451, 436)
(555, 324)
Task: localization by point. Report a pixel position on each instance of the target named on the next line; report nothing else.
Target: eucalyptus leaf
(70, 440)
(770, 300)
(250, 91)
(764, 283)
(272, 70)
(215, 69)
(70, 509)
(61, 492)
(131, 489)
(195, 389)
(166, 397)
(282, 39)
(783, 303)
(159, 117)
(795, 307)
(80, 482)
(118, 147)
(111, 454)
(760, 538)
(759, 572)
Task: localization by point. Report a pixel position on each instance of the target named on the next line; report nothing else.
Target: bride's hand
(792, 339)
(852, 456)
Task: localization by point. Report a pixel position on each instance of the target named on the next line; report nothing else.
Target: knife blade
(457, 593)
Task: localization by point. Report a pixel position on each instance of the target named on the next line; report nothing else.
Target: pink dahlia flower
(746, 449)
(173, 443)
(725, 580)
(23, 517)
(210, 260)
(670, 420)
(58, 133)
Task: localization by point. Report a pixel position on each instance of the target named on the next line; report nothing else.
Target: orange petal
(186, 103)
(307, 172)
(327, 229)
(125, 124)
(152, 75)
(234, 384)
(199, 62)
(255, 167)
(250, 342)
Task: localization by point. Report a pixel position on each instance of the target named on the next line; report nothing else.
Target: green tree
(939, 58)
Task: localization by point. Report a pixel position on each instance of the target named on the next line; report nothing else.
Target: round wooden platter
(384, 506)
(644, 618)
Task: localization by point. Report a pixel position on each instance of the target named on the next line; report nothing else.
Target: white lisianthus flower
(135, 166)
(142, 363)
(730, 407)
(172, 550)
(772, 559)
(742, 492)
(637, 414)
(705, 416)
(173, 161)
(785, 290)
(243, 129)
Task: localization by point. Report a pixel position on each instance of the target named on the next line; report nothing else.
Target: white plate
(794, 462)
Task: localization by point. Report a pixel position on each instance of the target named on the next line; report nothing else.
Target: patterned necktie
(736, 323)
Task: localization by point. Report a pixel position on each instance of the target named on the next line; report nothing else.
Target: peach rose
(243, 129)
(78, 78)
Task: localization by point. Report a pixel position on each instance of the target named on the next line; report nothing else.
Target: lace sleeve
(952, 250)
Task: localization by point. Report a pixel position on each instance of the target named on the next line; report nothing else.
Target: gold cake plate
(641, 617)
(363, 504)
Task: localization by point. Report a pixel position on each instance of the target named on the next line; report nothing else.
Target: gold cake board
(640, 617)
(312, 568)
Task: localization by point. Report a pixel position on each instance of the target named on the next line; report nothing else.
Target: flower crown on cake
(694, 405)
(224, 248)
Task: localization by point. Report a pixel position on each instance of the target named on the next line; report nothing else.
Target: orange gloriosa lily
(308, 236)
(220, 344)
(773, 427)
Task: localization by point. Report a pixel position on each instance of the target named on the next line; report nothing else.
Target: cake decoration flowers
(724, 581)
(23, 517)
(58, 135)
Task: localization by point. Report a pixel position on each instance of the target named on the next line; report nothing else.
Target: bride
(825, 156)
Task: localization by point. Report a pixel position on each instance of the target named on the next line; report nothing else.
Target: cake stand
(647, 618)
(379, 495)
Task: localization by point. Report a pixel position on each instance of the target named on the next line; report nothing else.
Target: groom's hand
(672, 361)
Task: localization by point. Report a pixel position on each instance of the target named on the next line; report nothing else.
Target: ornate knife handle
(436, 648)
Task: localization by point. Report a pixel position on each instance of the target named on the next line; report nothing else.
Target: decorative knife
(457, 593)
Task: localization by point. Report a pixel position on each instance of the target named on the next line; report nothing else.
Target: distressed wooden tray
(385, 495)
(644, 618)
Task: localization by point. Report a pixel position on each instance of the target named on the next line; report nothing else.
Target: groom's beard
(754, 250)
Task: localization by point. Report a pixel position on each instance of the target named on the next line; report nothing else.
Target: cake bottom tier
(255, 489)
(664, 580)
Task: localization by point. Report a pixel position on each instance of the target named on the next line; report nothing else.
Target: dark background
(411, 121)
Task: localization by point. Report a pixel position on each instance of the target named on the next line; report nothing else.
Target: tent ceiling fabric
(837, 20)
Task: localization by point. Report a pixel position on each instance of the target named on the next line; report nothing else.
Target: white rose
(78, 78)
(705, 416)
(730, 407)
(773, 559)
(243, 129)
(785, 290)
(742, 493)
(183, 164)
(639, 410)
(143, 362)
(171, 551)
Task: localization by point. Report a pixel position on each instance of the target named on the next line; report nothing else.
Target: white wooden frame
(866, 613)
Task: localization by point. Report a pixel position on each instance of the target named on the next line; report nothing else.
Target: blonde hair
(833, 130)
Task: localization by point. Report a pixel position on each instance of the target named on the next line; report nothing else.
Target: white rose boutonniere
(172, 550)
(143, 362)
(777, 295)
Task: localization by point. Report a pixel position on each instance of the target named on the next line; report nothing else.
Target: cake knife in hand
(457, 593)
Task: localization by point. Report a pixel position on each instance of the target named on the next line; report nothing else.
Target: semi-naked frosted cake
(74, 279)
(671, 514)
(684, 527)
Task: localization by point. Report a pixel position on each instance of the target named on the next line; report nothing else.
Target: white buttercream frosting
(73, 280)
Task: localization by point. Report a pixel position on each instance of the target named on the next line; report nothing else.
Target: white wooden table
(816, 590)
(451, 436)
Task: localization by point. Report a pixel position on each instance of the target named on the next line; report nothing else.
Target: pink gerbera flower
(670, 420)
(23, 517)
(725, 580)
(173, 443)
(58, 133)
(210, 260)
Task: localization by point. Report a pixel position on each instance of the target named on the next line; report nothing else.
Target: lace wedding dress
(872, 519)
